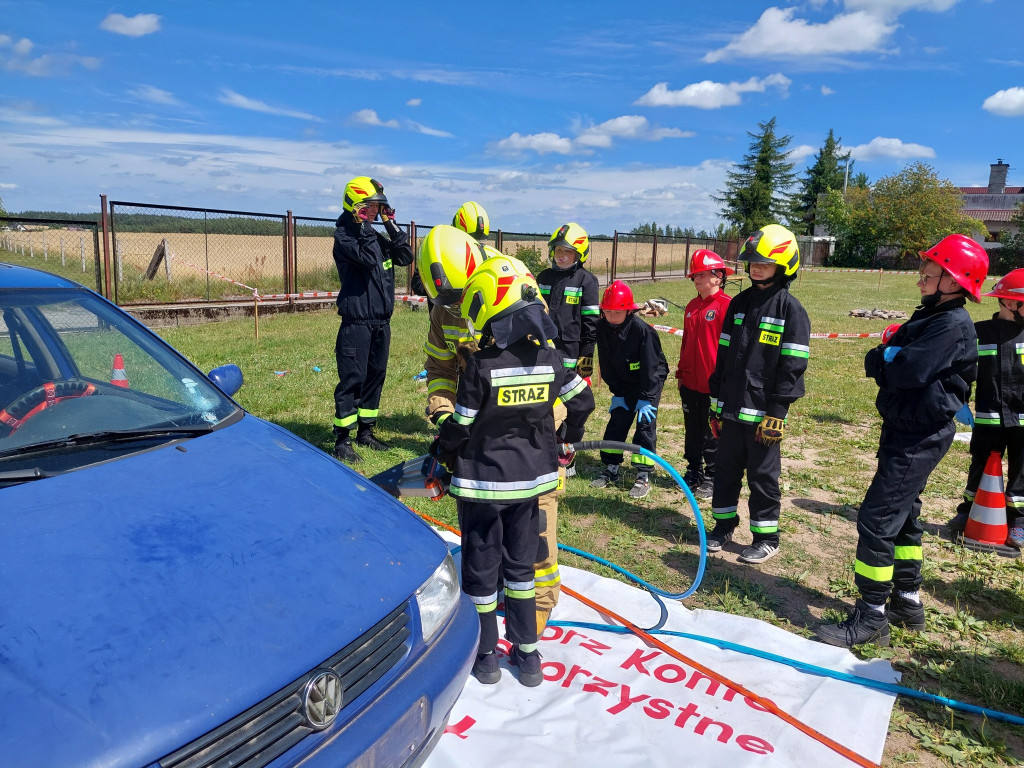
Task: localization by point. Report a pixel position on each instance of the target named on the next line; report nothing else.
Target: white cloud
(826, 91)
(370, 117)
(232, 99)
(797, 154)
(47, 65)
(881, 147)
(1008, 102)
(413, 102)
(419, 128)
(711, 95)
(154, 95)
(777, 35)
(602, 135)
(131, 26)
(541, 143)
(893, 8)
(8, 185)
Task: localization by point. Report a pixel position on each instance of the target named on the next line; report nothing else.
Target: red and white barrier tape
(255, 292)
(678, 332)
(333, 294)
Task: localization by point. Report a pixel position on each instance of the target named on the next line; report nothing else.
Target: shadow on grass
(824, 508)
(830, 418)
(973, 595)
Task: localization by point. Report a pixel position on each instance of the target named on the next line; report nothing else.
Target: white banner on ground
(611, 700)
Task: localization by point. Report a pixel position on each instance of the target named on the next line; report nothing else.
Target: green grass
(973, 647)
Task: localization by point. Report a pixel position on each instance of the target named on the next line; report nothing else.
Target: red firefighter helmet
(704, 260)
(1009, 287)
(890, 331)
(617, 296)
(964, 259)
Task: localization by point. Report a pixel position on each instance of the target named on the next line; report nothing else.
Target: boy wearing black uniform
(571, 292)
(999, 405)
(924, 377)
(366, 300)
(759, 374)
(500, 444)
(634, 368)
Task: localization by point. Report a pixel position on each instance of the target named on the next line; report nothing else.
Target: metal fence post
(615, 255)
(105, 223)
(290, 267)
(654, 256)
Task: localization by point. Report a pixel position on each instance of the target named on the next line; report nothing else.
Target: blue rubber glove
(645, 411)
(890, 352)
(618, 402)
(964, 416)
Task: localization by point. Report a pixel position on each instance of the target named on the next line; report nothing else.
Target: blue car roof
(12, 276)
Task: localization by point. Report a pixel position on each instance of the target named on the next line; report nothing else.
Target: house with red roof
(995, 204)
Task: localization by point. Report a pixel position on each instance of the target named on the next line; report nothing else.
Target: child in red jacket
(701, 328)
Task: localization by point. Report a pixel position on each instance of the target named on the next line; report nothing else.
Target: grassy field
(973, 647)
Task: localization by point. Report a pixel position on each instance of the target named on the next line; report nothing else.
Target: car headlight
(437, 598)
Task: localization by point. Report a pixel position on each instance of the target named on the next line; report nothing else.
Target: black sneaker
(706, 488)
(863, 625)
(371, 442)
(486, 669)
(760, 551)
(905, 613)
(345, 452)
(530, 673)
(692, 480)
(641, 487)
(958, 522)
(606, 478)
(721, 535)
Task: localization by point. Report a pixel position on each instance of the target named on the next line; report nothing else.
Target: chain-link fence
(66, 247)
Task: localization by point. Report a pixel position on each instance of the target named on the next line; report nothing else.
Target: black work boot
(486, 668)
(958, 522)
(721, 534)
(365, 437)
(344, 451)
(530, 673)
(863, 625)
(905, 613)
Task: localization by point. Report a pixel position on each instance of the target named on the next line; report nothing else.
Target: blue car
(183, 584)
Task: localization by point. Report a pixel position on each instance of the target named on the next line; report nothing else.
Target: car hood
(147, 600)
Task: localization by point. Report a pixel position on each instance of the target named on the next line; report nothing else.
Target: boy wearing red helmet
(634, 368)
(924, 377)
(702, 327)
(999, 405)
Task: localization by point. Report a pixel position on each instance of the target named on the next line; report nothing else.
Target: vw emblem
(322, 698)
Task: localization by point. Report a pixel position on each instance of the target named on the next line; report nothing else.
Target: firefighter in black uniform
(366, 300)
(572, 294)
(500, 444)
(762, 355)
(634, 368)
(999, 405)
(924, 376)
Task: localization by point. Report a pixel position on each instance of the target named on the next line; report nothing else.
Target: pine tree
(757, 191)
(828, 172)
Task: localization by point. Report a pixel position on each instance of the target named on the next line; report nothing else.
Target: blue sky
(606, 113)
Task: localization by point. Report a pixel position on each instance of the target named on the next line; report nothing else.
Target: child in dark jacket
(759, 374)
(924, 377)
(500, 444)
(634, 368)
(999, 405)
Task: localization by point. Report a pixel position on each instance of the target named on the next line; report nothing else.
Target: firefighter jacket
(999, 396)
(762, 356)
(702, 327)
(632, 363)
(366, 262)
(930, 377)
(573, 300)
(500, 443)
(449, 344)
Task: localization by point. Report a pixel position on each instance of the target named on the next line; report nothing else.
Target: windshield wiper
(23, 475)
(109, 436)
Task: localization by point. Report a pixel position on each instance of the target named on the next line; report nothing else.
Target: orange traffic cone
(986, 529)
(117, 375)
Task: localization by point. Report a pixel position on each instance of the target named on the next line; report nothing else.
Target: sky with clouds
(606, 113)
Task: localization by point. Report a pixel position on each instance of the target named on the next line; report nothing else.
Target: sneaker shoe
(486, 669)
(863, 625)
(641, 487)
(1016, 538)
(692, 480)
(706, 489)
(530, 673)
(720, 535)
(760, 551)
(607, 477)
(371, 442)
(958, 522)
(905, 613)
(345, 452)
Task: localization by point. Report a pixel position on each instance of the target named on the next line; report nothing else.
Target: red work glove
(715, 423)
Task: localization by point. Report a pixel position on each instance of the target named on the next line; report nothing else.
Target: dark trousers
(1010, 442)
(501, 540)
(362, 355)
(739, 452)
(646, 434)
(699, 446)
(889, 532)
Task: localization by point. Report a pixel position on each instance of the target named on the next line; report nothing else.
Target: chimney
(997, 177)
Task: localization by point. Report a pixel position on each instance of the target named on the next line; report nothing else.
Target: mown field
(973, 647)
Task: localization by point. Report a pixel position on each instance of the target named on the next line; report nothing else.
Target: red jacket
(701, 328)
